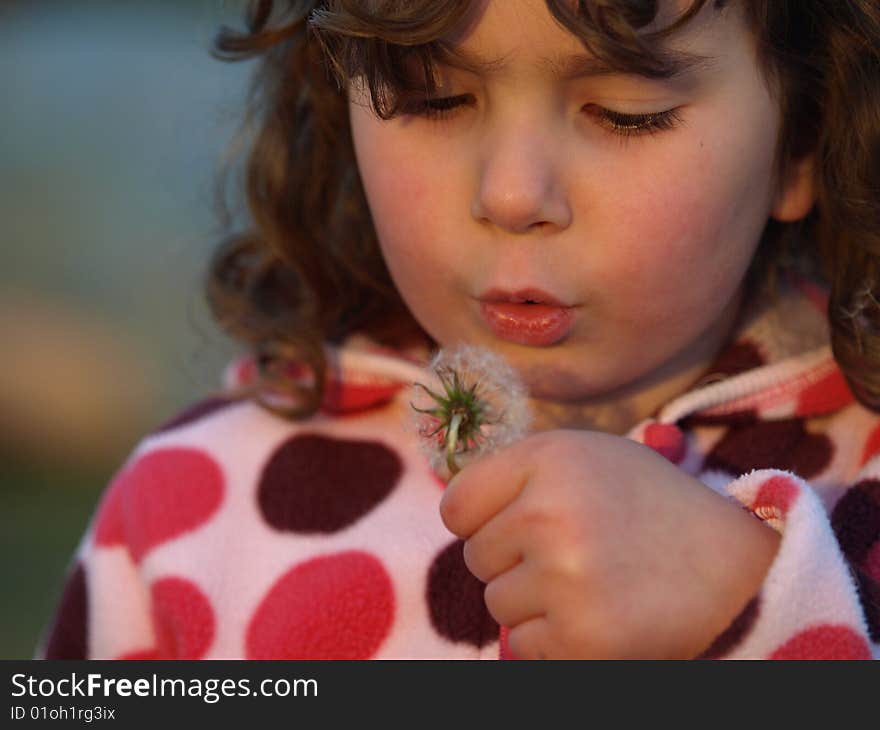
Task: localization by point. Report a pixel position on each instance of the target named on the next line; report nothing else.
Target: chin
(557, 384)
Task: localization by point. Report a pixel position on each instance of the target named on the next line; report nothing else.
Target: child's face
(522, 187)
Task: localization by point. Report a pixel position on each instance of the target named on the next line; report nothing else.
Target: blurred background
(114, 122)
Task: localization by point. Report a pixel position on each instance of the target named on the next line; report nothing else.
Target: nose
(520, 188)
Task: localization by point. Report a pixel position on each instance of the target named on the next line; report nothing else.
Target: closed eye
(628, 125)
(437, 108)
(625, 125)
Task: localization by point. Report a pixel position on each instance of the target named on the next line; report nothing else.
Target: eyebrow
(577, 65)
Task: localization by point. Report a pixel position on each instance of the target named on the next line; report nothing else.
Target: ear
(797, 193)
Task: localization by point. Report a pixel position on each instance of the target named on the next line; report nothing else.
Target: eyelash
(438, 108)
(623, 125)
(633, 125)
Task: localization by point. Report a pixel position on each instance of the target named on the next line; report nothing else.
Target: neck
(617, 413)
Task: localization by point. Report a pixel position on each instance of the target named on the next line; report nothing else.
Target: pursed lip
(520, 296)
(528, 316)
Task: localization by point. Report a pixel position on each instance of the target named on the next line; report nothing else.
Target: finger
(481, 490)
(495, 547)
(513, 598)
(530, 639)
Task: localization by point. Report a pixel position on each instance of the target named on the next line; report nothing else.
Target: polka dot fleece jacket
(231, 532)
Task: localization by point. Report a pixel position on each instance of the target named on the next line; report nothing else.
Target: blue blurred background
(114, 122)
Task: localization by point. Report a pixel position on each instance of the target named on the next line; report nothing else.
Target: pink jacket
(232, 533)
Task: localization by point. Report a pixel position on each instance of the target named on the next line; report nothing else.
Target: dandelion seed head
(484, 391)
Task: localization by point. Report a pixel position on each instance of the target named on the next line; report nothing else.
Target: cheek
(406, 188)
(407, 198)
(396, 189)
(404, 211)
(690, 237)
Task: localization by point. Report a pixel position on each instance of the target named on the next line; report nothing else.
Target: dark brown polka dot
(779, 444)
(455, 599)
(737, 419)
(68, 636)
(856, 522)
(869, 596)
(734, 634)
(319, 484)
(736, 358)
(195, 412)
(856, 519)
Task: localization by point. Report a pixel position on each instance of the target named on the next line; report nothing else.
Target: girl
(662, 214)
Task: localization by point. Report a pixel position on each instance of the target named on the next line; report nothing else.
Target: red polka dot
(828, 394)
(666, 439)
(824, 642)
(872, 445)
(779, 492)
(183, 619)
(109, 529)
(342, 393)
(160, 496)
(332, 607)
(140, 655)
(346, 397)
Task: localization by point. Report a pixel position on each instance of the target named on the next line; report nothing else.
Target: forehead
(524, 21)
(496, 34)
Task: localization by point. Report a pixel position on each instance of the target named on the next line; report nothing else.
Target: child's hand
(595, 546)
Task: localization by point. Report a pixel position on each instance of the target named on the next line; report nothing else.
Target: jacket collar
(777, 364)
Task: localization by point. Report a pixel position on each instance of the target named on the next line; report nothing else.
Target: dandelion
(479, 406)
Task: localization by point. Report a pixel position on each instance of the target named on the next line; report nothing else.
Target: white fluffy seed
(499, 389)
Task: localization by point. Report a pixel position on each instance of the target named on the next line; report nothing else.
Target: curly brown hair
(309, 269)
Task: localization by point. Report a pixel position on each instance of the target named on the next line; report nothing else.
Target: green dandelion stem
(452, 442)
